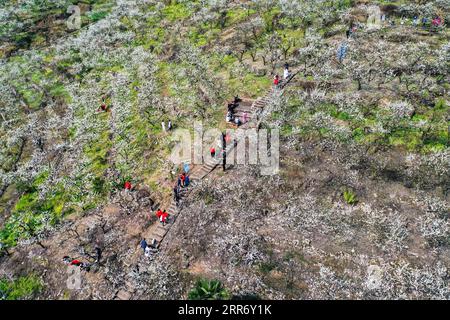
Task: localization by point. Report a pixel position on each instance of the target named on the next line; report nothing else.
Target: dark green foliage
(21, 288)
(350, 197)
(208, 290)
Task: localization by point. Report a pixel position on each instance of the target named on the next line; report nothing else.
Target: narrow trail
(158, 231)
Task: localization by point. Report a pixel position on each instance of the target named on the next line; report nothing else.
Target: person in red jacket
(213, 152)
(183, 178)
(276, 80)
(159, 213)
(75, 262)
(164, 217)
(103, 106)
(127, 185)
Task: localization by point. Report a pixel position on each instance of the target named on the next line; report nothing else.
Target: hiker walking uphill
(158, 214)
(183, 178)
(127, 186)
(230, 110)
(143, 244)
(98, 254)
(164, 217)
(224, 152)
(75, 262)
(286, 72)
(176, 194)
(224, 159)
(276, 81)
(245, 117)
(103, 105)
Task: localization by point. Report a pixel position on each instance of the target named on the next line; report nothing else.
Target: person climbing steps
(176, 194)
(276, 81)
(164, 217)
(143, 244)
(183, 178)
(158, 214)
(98, 254)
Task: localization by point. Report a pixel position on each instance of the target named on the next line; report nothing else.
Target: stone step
(162, 228)
(208, 168)
(212, 160)
(210, 165)
(123, 295)
(160, 232)
(246, 109)
(158, 238)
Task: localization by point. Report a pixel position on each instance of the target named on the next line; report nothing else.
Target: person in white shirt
(286, 73)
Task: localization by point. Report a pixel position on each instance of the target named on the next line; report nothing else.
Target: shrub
(208, 290)
(21, 288)
(350, 197)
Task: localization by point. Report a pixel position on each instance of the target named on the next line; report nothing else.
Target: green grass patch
(176, 11)
(250, 85)
(208, 290)
(21, 288)
(350, 197)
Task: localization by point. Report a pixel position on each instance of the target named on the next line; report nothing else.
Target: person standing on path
(143, 244)
(187, 181)
(164, 218)
(276, 81)
(176, 194)
(158, 213)
(212, 152)
(98, 253)
(245, 117)
(186, 168)
(224, 159)
(286, 73)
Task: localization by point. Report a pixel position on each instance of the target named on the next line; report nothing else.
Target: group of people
(231, 116)
(75, 262)
(84, 265)
(163, 216)
(183, 181)
(435, 22)
(149, 249)
(169, 125)
(286, 74)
